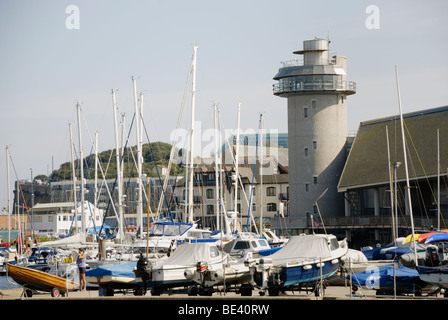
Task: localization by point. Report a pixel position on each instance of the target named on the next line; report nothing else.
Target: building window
(198, 177)
(210, 209)
(271, 191)
(254, 207)
(315, 179)
(306, 152)
(307, 187)
(313, 104)
(305, 112)
(271, 207)
(314, 145)
(210, 194)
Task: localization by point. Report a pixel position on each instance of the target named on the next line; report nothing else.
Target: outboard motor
(143, 271)
(432, 256)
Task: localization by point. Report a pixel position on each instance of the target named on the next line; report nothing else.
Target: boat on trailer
(34, 280)
(175, 272)
(304, 262)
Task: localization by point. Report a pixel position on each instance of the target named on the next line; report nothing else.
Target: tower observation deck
(318, 72)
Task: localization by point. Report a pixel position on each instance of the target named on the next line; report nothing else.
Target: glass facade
(331, 82)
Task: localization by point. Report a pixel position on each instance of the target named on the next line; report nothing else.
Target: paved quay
(337, 302)
(331, 293)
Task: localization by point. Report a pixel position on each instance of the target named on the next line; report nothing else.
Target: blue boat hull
(297, 275)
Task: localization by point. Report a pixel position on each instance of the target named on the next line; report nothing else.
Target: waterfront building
(50, 219)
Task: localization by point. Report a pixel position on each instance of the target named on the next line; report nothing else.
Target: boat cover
(354, 256)
(387, 253)
(424, 236)
(302, 247)
(378, 277)
(76, 239)
(119, 270)
(190, 253)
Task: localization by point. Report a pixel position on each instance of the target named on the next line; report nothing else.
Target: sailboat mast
(261, 173)
(394, 236)
(95, 196)
(81, 160)
(74, 176)
(118, 160)
(217, 211)
(139, 161)
(191, 171)
(438, 180)
(9, 194)
(236, 157)
(408, 189)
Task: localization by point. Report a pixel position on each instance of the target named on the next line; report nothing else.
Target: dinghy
(33, 280)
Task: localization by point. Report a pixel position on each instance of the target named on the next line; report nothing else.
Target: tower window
(307, 187)
(313, 104)
(314, 145)
(305, 112)
(315, 179)
(307, 153)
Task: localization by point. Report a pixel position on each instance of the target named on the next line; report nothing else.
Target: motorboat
(306, 260)
(164, 236)
(245, 242)
(176, 271)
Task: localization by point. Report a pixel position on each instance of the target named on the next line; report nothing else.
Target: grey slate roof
(367, 164)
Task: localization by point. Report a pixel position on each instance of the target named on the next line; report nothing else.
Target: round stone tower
(317, 129)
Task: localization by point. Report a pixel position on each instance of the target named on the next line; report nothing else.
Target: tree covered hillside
(156, 153)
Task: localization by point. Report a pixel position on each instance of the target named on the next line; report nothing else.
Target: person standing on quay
(81, 261)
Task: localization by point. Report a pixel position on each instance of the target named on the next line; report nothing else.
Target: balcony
(355, 222)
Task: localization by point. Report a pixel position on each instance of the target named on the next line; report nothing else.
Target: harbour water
(8, 283)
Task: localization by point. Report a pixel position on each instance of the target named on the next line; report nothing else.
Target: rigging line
(424, 171)
(179, 118)
(116, 178)
(152, 155)
(23, 199)
(82, 181)
(227, 142)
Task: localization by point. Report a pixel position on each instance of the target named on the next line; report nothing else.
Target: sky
(55, 54)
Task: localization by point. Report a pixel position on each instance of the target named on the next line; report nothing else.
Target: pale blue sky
(45, 68)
